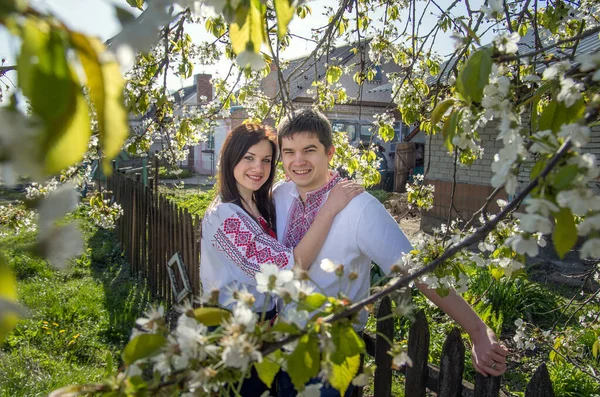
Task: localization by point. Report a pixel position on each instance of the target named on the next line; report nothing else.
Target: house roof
(341, 56)
(526, 44)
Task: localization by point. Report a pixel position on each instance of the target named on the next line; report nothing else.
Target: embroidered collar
(302, 215)
(334, 177)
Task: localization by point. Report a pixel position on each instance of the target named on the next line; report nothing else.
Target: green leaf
(342, 374)
(386, 132)
(333, 74)
(304, 362)
(284, 11)
(595, 348)
(68, 143)
(522, 29)
(136, 3)
(346, 341)
(556, 114)
(268, 367)
(211, 316)
(497, 273)
(440, 110)
(536, 169)
(314, 301)
(565, 232)
(8, 294)
(449, 129)
(565, 176)
(249, 34)
(285, 328)
(142, 346)
(474, 75)
(106, 91)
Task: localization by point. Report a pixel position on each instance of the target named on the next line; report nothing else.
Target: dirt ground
(409, 219)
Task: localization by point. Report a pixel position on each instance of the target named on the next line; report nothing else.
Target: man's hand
(340, 195)
(489, 356)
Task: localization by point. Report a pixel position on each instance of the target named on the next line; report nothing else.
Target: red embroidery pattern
(302, 215)
(248, 246)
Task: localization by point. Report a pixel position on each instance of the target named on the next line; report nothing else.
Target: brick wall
(473, 183)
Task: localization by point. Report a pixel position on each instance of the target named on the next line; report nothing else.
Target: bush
(165, 173)
(195, 203)
(380, 195)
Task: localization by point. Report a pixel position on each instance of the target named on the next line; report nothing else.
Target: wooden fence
(151, 231)
(446, 380)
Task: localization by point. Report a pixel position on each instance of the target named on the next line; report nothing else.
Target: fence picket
(385, 333)
(418, 351)
(487, 386)
(540, 384)
(452, 365)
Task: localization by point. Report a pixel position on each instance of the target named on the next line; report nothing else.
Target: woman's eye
(267, 161)
(249, 158)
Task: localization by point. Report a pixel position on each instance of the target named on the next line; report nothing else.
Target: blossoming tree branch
(541, 99)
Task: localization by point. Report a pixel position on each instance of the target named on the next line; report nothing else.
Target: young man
(362, 232)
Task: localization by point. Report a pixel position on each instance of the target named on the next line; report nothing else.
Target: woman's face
(254, 168)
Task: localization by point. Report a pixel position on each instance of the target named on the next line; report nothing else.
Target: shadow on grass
(126, 296)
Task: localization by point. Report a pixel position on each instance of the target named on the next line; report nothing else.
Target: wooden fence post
(452, 365)
(487, 386)
(540, 384)
(385, 332)
(418, 351)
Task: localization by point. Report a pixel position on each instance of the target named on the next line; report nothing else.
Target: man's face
(306, 161)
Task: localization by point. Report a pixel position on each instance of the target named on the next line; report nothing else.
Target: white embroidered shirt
(233, 247)
(362, 232)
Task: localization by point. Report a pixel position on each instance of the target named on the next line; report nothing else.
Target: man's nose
(299, 158)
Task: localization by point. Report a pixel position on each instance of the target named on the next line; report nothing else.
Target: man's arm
(489, 356)
(381, 239)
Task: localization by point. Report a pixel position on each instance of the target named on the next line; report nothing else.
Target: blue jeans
(285, 387)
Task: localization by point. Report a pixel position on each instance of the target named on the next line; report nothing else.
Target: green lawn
(78, 320)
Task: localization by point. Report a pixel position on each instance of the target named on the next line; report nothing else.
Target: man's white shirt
(362, 232)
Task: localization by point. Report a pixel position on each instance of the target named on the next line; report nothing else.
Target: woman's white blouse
(233, 247)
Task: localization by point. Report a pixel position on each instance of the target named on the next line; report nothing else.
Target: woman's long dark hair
(237, 143)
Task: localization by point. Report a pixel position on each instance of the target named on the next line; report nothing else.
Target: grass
(194, 200)
(78, 320)
(499, 304)
(166, 173)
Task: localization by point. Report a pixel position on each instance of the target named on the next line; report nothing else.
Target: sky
(98, 18)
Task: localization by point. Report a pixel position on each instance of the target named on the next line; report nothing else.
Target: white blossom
(590, 249)
(522, 245)
(271, 278)
(313, 390)
(541, 206)
(507, 43)
(154, 315)
(242, 315)
(328, 266)
(361, 380)
(252, 59)
(239, 351)
(556, 71)
(494, 7)
(579, 134)
(590, 62)
(533, 223)
(579, 201)
(402, 359)
(569, 91)
(589, 224)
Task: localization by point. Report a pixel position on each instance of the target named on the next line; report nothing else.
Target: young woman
(238, 229)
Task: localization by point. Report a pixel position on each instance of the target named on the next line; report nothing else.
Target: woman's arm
(308, 248)
(489, 356)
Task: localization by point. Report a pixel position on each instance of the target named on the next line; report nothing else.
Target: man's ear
(330, 152)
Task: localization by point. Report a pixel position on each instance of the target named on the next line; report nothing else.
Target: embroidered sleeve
(245, 243)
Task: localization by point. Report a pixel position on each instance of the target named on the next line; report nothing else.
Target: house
(473, 185)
